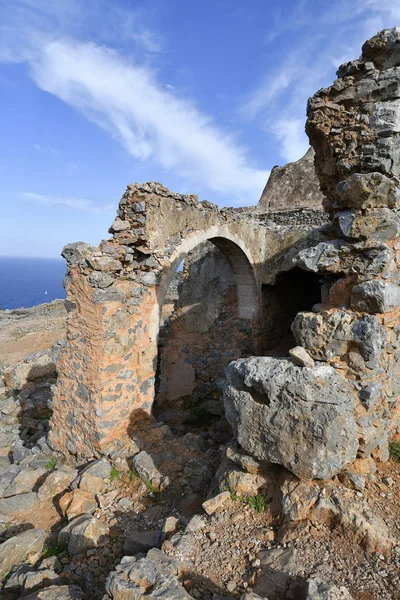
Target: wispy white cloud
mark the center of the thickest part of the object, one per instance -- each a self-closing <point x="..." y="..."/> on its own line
<point x="150" y="120"/>
<point x="327" y="34"/>
<point x="80" y="204"/>
<point x="126" y="96"/>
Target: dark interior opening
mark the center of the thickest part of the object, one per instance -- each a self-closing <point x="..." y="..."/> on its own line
<point x="200" y="334"/>
<point x="294" y="291"/>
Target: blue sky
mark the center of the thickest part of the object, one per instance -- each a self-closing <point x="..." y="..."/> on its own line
<point x="204" y="97"/>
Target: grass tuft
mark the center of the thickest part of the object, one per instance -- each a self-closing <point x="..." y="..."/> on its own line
<point x="51" y="464"/>
<point x="115" y="474"/>
<point x="394" y="450"/>
<point x="133" y="476"/>
<point x="53" y="549"/>
<point x="149" y="484"/>
<point x="257" y="503"/>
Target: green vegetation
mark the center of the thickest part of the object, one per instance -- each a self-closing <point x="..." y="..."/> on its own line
<point x="149" y="484"/>
<point x="198" y="417"/>
<point x="132" y="476"/>
<point x="257" y="503"/>
<point x="394" y="450"/>
<point x="115" y="474"/>
<point x="51" y="464"/>
<point x="53" y="549"/>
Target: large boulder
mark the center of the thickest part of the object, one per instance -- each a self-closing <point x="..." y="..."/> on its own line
<point x="155" y="576"/>
<point x="320" y="590"/>
<point x="58" y="592"/>
<point x="298" y="417"/>
<point x="27" y="546"/>
<point x="332" y="333"/>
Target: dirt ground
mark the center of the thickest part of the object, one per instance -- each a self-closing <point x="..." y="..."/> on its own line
<point x="28" y="330"/>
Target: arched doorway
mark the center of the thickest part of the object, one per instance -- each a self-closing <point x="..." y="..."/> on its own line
<point x="205" y="323"/>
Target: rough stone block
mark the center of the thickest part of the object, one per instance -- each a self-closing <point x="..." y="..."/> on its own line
<point x="301" y="357"/>
<point x="300" y="418"/>
<point x="21" y="548"/>
<point x="375" y="296"/>
<point x="367" y="190"/>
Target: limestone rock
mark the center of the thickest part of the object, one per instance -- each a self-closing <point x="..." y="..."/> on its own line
<point x="331" y="334"/>
<point x="300" y="418"/>
<point x="301" y="357"/>
<point x="99" y="468"/>
<point x="65" y="533"/>
<point x="369" y="394"/>
<point x="337" y="256"/>
<point x="34" y="366"/>
<point x="375" y="296"/>
<point x="145" y="467"/>
<point x="29" y="579"/>
<point x="58" y="592"/>
<point x="169" y="527"/>
<point x="119" y="225"/>
<point x="104" y="263"/>
<point x="213" y="504"/>
<point x="7" y="477"/>
<point x="243" y="460"/>
<point x="370" y="336"/>
<point x="24" y="481"/>
<point x="100" y="280"/>
<point x="91" y="483"/>
<point x="21" y="548"/>
<point x="77" y="502"/>
<point x="88" y="533"/>
<point x="15" y="505"/>
<point x="378" y="225"/>
<point x="293" y="186"/>
<point x="56" y="482"/>
<point x="367" y="190"/>
<point x="148" y="577"/>
<point x="77" y="252"/>
<point x="298" y="498"/>
<point x="318" y="590"/>
<point x="237" y="481"/>
<point x="366" y="527"/>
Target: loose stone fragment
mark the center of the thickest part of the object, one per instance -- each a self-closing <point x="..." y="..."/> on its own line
<point x="213" y="504"/>
<point x="301" y="357"/>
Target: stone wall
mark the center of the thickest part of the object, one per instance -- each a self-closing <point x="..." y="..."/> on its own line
<point x="354" y="334"/>
<point x="115" y="294"/>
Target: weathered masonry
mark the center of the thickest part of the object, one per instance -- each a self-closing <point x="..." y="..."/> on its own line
<point x="115" y="294"/>
<point x="333" y="403"/>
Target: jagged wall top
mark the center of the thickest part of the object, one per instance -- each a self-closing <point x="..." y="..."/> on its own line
<point x="354" y="125"/>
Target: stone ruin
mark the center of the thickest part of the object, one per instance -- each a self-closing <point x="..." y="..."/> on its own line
<point x="334" y="402"/>
<point x="313" y="418"/>
<point x="115" y="295"/>
<point x="283" y="325"/>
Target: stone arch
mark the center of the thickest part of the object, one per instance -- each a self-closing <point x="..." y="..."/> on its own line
<point x="239" y="257"/>
<point x="198" y="326"/>
<point x="107" y="370"/>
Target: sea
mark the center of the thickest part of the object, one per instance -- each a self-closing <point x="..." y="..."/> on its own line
<point x="26" y="282"/>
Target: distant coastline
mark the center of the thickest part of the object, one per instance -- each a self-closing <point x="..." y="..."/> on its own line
<point x="27" y="282"/>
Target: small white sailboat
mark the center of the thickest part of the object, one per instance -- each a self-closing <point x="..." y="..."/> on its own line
<point x="45" y="292"/>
